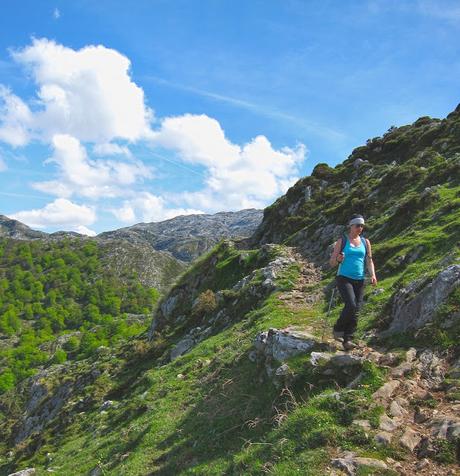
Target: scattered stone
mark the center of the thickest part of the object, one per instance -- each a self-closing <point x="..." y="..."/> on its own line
<point x="364" y="424"/>
<point x="350" y="463"/>
<point x="388" y="424"/>
<point x="389" y="359"/>
<point x="383" y="438"/>
<point x="422" y="464"/>
<point x="421" y="415"/>
<point x="283" y="371"/>
<point x="401" y="370"/>
<point x="445" y="427"/>
<point x="383" y="394"/>
<point x="397" y="410"/>
<point x="107" y="404"/>
<point x="370" y="462"/>
<point x="410" y="439"/>
<point x="411" y="354"/>
<point x="24" y="472"/>
<point x="180" y="376"/>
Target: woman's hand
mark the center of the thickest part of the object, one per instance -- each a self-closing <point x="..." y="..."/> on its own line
<point x="373" y="280"/>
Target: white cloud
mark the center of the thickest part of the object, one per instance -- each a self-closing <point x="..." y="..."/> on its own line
<point x="15" y="119"/>
<point x="79" y="175"/>
<point x="238" y="176"/>
<point x="86" y="100"/>
<point x="147" y="207"/>
<point x="83" y="230"/>
<point x="60" y="213"/>
<point x="56" y="14"/>
<point x="110" y="148"/>
<point x="87" y="93"/>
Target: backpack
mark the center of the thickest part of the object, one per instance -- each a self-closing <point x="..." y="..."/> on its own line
<point x="363" y="240"/>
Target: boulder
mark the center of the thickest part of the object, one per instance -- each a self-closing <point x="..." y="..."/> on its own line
<point x="383" y="438"/>
<point x="416" y="305"/>
<point x="182" y="347"/>
<point x="383" y="394"/>
<point x="410" y="439"/>
<point x="445" y="427"/>
<point x="24" y="472"/>
<point x="282" y="344"/>
<point x="349" y="463"/>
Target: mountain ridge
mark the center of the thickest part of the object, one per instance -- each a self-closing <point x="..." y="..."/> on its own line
<point x="238" y="374"/>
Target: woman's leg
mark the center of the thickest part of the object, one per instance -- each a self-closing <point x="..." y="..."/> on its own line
<point x="352" y="322"/>
<point x="347" y="292"/>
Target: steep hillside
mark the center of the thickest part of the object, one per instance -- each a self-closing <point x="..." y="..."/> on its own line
<point x="187" y="237"/>
<point x="238" y="373"/>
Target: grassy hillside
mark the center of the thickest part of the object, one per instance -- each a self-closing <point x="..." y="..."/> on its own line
<point x="59" y="302"/>
<point x="199" y="398"/>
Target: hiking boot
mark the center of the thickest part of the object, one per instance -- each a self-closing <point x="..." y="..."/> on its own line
<point x="338" y="335"/>
<point x="349" y="345"/>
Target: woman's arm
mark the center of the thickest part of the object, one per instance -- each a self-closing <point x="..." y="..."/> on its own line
<point x="370" y="263"/>
<point x="336" y="257"/>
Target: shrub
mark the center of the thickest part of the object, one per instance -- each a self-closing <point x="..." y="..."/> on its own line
<point x="205" y="304"/>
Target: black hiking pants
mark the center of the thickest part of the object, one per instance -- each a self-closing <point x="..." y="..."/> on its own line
<point x="352" y="291"/>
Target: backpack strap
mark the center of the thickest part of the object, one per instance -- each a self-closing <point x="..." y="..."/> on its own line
<point x="363" y="239"/>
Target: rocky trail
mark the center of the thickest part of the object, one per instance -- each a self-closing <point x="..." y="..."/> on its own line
<point x="421" y="414"/>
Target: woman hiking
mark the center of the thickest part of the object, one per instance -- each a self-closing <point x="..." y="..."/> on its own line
<point x="351" y="252"/>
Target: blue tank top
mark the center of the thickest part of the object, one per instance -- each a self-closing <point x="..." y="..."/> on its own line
<point x="353" y="264"/>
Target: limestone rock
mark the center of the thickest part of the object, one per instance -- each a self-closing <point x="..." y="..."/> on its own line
<point x="282" y="344"/>
<point x="388" y="424"/>
<point x="397" y="410"/>
<point x="383" y="394"/>
<point x="410" y="439"/>
<point x="182" y="347"/>
<point x="350" y="463"/>
<point x="383" y="438"/>
<point x="401" y="370"/>
<point x="414" y="312"/>
<point x="364" y="424"/>
<point x="24" y="472"/>
<point x="445" y="427"/>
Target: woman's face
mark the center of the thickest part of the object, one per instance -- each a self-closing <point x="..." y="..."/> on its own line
<point x="358" y="228"/>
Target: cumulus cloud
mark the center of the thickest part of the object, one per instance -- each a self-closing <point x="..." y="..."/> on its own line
<point x="15" y="119"/>
<point x="87" y="93"/>
<point x="238" y="176"/>
<point x="61" y="212"/>
<point x="86" y="103"/>
<point x="147" y="207"/>
<point x="80" y="175"/>
<point x="110" y="148"/>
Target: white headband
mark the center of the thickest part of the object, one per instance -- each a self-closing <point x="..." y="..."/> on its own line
<point x="357" y="221"/>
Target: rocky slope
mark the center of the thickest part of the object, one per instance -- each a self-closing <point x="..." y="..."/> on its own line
<point x="238" y="373"/>
<point x="187" y="237"/>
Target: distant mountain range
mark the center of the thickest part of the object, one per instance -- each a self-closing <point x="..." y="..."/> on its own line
<point x="157" y="252"/>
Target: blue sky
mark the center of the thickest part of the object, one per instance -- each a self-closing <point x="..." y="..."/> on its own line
<point x="115" y="112"/>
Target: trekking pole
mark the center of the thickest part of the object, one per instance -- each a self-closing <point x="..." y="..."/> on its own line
<point x="325" y="322"/>
<point x="330" y="302"/>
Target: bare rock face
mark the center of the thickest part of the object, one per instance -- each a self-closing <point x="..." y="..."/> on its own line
<point x="281" y="344"/>
<point x="349" y="463"/>
<point x="415" y="305"/>
<point x="24" y="472"/>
